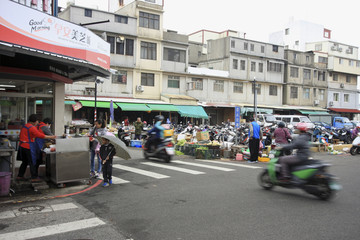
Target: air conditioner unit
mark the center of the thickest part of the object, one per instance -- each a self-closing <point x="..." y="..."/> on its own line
<point x="348" y="51"/>
<point x="339" y="49"/>
<point x="334" y="48"/>
<point x="316" y="102"/>
<point x="331" y="103"/>
<point x="341" y="85"/>
<point x="139" y="88"/>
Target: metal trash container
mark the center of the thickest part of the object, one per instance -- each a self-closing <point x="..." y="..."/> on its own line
<point x="5" y="154"/>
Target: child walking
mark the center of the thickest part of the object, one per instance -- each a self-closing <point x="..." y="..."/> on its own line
<point x="107" y="152"/>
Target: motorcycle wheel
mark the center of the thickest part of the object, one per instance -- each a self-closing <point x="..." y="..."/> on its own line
<point x="146" y="155"/>
<point x="325" y="192"/>
<point x="265" y="181"/>
<point x="348" y="140"/>
<point x="167" y="158"/>
<point x="353" y="151"/>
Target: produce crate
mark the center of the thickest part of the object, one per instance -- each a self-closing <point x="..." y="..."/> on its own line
<point x="215" y="153"/>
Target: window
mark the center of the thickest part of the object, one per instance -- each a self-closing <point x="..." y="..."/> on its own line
<point x="262" y="49"/>
<point x="351" y="63"/>
<point x="253" y="66"/>
<point x="348" y="79"/>
<point x="148" y="50"/>
<point x="173" y="82"/>
<point x="322" y="59"/>
<point x="322" y="94"/>
<point x="275" y="48"/>
<point x="273" y="67"/>
<point x="111" y="40"/>
<point x="242" y="65"/>
<point x="252" y="47"/>
<point x="346" y="98"/>
<point x="129" y="47"/>
<point x="235" y="64"/>
<point x="357" y="64"/>
<point x="121" y="19"/>
<point x="261" y="67"/>
<point x="321" y="76"/>
<point x="335" y="77"/>
<point x="293" y="92"/>
<point x="295" y="55"/>
<point x="307" y="59"/>
<point x="349" y="50"/>
<point x="315" y="74"/>
<point x="174" y="55"/>
<point x="307" y="74"/>
<point x="219" y="86"/>
<point x="258" y="88"/>
<point x="287" y="31"/>
<point x="147" y="79"/>
<point x="273" y="90"/>
<point x="314" y="92"/>
<point x="121" y="77"/>
<point x="318" y="47"/>
<point x="233" y="43"/>
<point x="196" y="84"/>
<point x="306" y="93"/>
<point x="336" y="97"/>
<point x="245" y="46"/>
<point x="238" y="87"/>
<point x="88" y="12"/>
<point x="121" y="47"/>
<point x="148" y="20"/>
<point x="294" y="72"/>
<point x="297" y="43"/>
<point x="341" y="61"/>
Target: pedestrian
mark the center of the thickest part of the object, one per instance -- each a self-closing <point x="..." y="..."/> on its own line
<point x="355" y="131"/>
<point x="43" y="127"/>
<point x="139" y="125"/>
<point x="98" y="130"/>
<point x="107" y="152"/>
<point x="27" y="148"/>
<point x="255" y="135"/>
<point x="281" y="134"/>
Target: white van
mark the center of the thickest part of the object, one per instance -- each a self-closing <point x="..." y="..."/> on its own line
<point x="266" y="120"/>
<point x="294" y="120"/>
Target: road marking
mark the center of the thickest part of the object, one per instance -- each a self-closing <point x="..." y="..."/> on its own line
<point x="139" y="171"/>
<point x="63" y="206"/>
<point x="52" y="229"/>
<point x="173" y="168"/>
<point x="230" y="164"/>
<point x="7" y="214"/>
<point x="205" y="166"/>
<point x="116" y="180"/>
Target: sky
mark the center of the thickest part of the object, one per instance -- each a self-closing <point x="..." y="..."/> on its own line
<point x="256" y="18"/>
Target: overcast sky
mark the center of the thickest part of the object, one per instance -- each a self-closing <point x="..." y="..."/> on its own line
<point x="257" y="18"/>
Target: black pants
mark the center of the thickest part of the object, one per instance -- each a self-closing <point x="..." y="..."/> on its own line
<point x="25" y="155"/>
<point x="153" y="140"/>
<point x="254" y="149"/>
<point x="107" y="170"/>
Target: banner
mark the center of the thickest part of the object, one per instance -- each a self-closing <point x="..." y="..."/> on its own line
<point x="237" y="117"/>
<point x="77" y="106"/>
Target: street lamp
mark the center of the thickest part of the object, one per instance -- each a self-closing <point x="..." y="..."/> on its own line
<point x="255" y="99"/>
<point x="97" y="81"/>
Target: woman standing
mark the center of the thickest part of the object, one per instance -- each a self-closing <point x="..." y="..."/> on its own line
<point x="98" y="130"/>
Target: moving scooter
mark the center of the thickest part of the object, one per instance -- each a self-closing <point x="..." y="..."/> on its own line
<point x="124" y="136"/>
<point x="161" y="148"/>
<point x="311" y="176"/>
<point x="355" y="149"/>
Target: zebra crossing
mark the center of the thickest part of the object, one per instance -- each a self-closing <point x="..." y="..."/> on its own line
<point x="176" y="166"/>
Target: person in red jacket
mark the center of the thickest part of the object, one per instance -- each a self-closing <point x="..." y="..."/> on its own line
<point x="27" y="148"/>
<point x="42" y="127"/>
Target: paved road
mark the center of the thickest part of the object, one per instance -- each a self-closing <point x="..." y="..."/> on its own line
<point x="195" y="199"/>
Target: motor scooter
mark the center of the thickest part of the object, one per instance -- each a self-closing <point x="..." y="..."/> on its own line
<point x="311" y="176"/>
<point x="355" y="149"/>
<point x="163" y="149"/>
<point x="124" y="136"/>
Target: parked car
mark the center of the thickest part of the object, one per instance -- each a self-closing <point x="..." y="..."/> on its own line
<point x="294" y="120"/>
<point x="322" y="124"/>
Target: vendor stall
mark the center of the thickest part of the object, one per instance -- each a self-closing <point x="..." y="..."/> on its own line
<point x="70" y="162"/>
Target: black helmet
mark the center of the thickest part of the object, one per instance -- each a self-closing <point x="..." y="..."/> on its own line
<point x="159" y="118"/>
<point x="281" y="124"/>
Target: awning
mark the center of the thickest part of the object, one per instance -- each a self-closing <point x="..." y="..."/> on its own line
<point x="192" y="111"/>
<point x="344" y="110"/>
<point x="313" y="112"/>
<point x="133" y="106"/>
<point x="99" y="104"/>
<point x="163" y="107"/>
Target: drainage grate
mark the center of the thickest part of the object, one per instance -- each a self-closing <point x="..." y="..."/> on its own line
<point x="30" y="209"/>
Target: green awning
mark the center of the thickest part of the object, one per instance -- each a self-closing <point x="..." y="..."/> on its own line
<point x="6" y="103"/>
<point x="99" y="104"/>
<point x="313" y="112"/>
<point x="192" y="111"/>
<point x="133" y="106"/>
<point x="163" y="107"/>
<point x="69" y="102"/>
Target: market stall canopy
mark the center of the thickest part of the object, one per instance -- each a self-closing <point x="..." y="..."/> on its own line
<point x="192" y="111"/>
<point x="313" y="112"/>
<point x="98" y="104"/>
<point x="163" y="107"/>
<point x="133" y="106"/>
<point x="344" y="110"/>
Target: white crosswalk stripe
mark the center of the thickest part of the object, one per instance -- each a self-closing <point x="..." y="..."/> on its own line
<point x="230" y="164"/>
<point x="52" y="229"/>
<point x="204" y="166"/>
<point x="185" y="170"/>
<point x="140" y="171"/>
<point x="116" y="180"/>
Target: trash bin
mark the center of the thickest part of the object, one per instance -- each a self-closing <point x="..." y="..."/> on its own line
<point x="5" y="179"/>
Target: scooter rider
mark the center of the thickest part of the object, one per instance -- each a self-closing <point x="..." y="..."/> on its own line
<point x="355" y="131"/>
<point x="158" y="129"/>
<point x="301" y="143"/>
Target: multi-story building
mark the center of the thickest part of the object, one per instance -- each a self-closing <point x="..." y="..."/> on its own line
<point x="343" y="68"/>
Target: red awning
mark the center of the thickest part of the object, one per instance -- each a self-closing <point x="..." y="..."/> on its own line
<point x="344" y="110"/>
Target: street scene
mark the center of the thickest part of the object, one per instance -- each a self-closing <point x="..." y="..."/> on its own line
<point x="152" y="119"/>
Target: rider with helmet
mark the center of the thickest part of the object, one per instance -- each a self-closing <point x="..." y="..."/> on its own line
<point x="301" y="143"/>
<point x="281" y="134"/>
<point x="355" y="131"/>
<point x="158" y="130"/>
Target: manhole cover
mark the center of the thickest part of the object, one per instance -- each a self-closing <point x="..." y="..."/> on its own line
<point x="30" y="209"/>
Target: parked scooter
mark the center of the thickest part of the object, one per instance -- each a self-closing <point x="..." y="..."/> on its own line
<point x="355" y="149"/>
<point x="163" y="149"/>
<point x="124" y="136"/>
<point x="311" y="176"/>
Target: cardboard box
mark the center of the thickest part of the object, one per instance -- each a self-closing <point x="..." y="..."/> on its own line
<point x="202" y="136"/>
